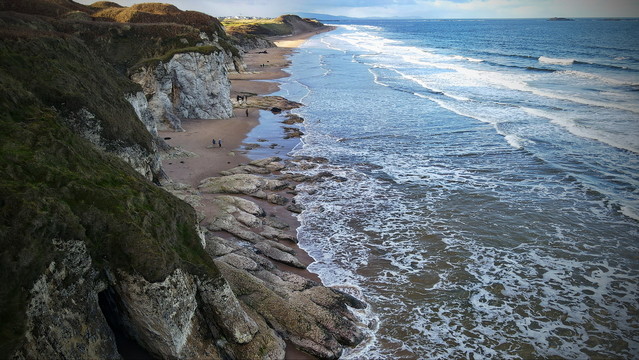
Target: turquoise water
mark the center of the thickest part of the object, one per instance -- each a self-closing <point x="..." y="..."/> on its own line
<point x="492" y="202"/>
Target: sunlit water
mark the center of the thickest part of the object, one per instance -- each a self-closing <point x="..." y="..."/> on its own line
<point x="492" y="202"/>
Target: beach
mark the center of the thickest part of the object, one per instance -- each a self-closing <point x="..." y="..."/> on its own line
<point x="201" y="158"/>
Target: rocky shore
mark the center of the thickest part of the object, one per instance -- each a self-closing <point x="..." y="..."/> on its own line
<point x="248" y="210"/>
<point x="249" y="242"/>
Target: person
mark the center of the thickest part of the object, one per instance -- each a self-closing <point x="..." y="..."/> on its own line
<point x="213" y="142"/>
<point x="219" y="142"/>
<point x="246" y="112"/>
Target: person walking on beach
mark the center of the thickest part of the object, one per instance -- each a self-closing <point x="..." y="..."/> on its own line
<point x="213" y="142"/>
<point x="246" y="112"/>
<point x="219" y="142"/>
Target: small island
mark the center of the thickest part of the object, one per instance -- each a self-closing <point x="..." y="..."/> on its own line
<point x="560" y="19"/>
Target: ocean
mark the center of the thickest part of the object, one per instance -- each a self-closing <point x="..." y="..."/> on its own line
<point x="491" y="202"/>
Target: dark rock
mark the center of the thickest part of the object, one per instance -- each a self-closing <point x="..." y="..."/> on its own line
<point x="277" y="199"/>
<point x="276" y="223"/>
<point x="295" y="208"/>
<point x="293" y="119"/>
<point x="291" y="132"/>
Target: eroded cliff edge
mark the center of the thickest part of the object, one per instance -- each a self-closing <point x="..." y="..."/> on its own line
<point x="92" y="249"/>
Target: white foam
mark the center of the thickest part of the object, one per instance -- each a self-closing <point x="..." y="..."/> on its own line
<point x="459" y="57"/>
<point x="514" y="141"/>
<point x="330" y="45"/>
<point x="555" y="61"/>
<point x="468" y="78"/>
<point x="630" y="212"/>
<point x="606" y="80"/>
<point x="423" y="83"/>
<point x="627" y="141"/>
<point x="376" y="78"/>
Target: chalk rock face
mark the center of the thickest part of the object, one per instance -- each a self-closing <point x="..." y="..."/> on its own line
<point x="64" y="319"/>
<point x="173" y="318"/>
<point x="144" y="160"/>
<point x="161" y="313"/>
<point x="141" y="107"/>
<point x="190" y="85"/>
<point x="223" y="308"/>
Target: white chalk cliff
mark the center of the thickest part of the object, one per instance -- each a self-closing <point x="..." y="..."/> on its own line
<point x="190" y="85"/>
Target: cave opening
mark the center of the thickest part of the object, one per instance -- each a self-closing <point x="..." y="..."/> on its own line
<point x="128" y="347"/>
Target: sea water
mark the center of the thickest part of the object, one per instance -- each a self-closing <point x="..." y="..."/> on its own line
<point x="491" y="202"/>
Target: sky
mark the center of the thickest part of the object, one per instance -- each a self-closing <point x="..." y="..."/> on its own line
<point x="430" y="9"/>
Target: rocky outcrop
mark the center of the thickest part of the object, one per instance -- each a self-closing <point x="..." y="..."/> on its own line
<point x="142" y="110"/>
<point x="143" y="157"/>
<point x="281" y="26"/>
<point x="174" y="318"/>
<point x="247" y="184"/>
<point x="190" y="85"/>
<point x="316" y="319"/>
<point x="64" y="319"/>
<point x="247" y="42"/>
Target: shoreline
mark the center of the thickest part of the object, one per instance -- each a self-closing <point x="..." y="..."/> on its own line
<point x="205" y="160"/>
<point x="198" y="133"/>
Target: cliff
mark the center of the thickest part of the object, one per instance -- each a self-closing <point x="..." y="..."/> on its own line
<point x="97" y="260"/>
<point x="280" y="26"/>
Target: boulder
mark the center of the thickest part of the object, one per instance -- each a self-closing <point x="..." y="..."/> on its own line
<point x="279" y="253"/>
<point x="160" y="314"/>
<point x="247" y="184"/>
<point x="274" y="222"/>
<point x="276" y="234"/>
<point x="276" y="199"/>
<point x="243" y="204"/>
<point x="266" y="161"/>
<point x="220" y="303"/>
<point x="230" y="224"/>
<point x="291" y="313"/>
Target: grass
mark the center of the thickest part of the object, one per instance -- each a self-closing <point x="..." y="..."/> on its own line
<point x="268" y="27"/>
<point x="57" y="185"/>
<point x="206" y="50"/>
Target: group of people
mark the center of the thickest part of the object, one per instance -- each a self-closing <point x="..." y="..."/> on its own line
<point x="241" y="98"/>
<point x="219" y="142"/>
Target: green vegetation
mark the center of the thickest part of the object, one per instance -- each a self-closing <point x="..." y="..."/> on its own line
<point x="57" y="185"/>
<point x="206" y="50"/>
<point x="280" y="26"/>
<point x="267" y="27"/>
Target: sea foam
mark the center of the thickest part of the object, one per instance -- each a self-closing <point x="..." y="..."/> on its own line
<point x="555" y="61"/>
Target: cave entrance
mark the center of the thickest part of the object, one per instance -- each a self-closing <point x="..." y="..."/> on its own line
<point x="128" y="347"/>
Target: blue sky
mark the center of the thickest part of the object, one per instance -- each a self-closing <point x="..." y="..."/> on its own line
<point x="410" y="8"/>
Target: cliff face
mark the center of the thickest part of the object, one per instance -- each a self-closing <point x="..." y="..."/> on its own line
<point x="190" y="85"/>
<point x="81" y="223"/>
<point x="96" y="260"/>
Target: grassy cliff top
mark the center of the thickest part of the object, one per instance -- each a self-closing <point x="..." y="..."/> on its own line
<point x="280" y="26"/>
<point x="157" y="13"/>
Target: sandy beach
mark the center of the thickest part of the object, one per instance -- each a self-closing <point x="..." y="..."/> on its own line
<point x="208" y="160"/>
<point x="198" y="135"/>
